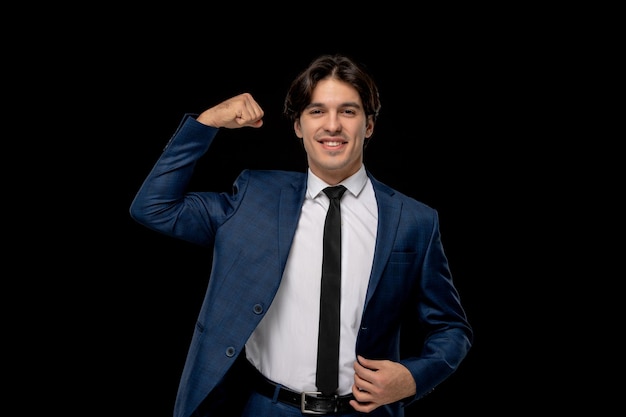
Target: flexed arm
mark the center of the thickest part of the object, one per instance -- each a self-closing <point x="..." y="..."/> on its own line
<point x="163" y="202"/>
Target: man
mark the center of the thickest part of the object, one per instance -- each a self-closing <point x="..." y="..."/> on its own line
<point x="254" y="349"/>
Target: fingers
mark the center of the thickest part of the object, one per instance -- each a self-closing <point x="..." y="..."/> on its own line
<point x="362" y="387"/>
<point x="379" y="382"/>
<point x="364" y="367"/>
<point x="363" y="407"/>
<point x="248" y="112"/>
<point x="364" y="401"/>
<point x="236" y="112"/>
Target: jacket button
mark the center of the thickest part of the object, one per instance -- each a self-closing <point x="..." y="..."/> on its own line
<point x="258" y="309"/>
<point x="230" y="352"/>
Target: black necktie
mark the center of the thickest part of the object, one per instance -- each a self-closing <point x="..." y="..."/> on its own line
<point x="330" y="299"/>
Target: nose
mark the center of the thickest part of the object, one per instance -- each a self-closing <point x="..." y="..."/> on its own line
<point x="333" y="122"/>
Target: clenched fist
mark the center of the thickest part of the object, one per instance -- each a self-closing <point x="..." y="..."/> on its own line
<point x="236" y="112"/>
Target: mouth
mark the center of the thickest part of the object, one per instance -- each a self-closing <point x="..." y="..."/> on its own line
<point x="332" y="143"/>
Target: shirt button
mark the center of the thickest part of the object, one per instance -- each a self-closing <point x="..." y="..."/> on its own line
<point x="230" y="351"/>
<point x="258" y="309"/>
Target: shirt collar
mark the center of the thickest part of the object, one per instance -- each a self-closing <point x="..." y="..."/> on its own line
<point x="354" y="183"/>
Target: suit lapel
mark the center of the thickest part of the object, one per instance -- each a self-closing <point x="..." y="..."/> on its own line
<point x="291" y="200"/>
<point x="389" y="210"/>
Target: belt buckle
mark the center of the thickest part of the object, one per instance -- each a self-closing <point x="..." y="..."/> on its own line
<point x="315" y="393"/>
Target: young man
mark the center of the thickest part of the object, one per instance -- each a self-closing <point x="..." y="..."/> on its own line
<point x="254" y="349"/>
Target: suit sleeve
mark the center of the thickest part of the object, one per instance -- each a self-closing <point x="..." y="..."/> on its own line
<point x="447" y="333"/>
<point x="162" y="203"/>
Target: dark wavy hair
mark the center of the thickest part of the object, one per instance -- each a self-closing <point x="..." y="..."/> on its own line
<point x="340" y="67"/>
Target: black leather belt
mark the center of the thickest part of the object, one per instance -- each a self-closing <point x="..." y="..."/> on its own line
<point x="308" y="402"/>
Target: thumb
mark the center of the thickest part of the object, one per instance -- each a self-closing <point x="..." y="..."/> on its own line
<point x="367" y="363"/>
<point x="362" y="360"/>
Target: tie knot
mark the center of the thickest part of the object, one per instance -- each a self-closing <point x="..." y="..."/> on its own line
<point x="335" y="191"/>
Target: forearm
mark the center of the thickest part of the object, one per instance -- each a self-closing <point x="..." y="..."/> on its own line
<point x="440" y="357"/>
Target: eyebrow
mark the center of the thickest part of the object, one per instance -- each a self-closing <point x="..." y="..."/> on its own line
<point x="346" y="104"/>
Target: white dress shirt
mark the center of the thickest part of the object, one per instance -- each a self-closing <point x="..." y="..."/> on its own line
<point x="284" y="345"/>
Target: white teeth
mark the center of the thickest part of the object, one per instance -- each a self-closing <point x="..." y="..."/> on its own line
<point x="333" y="143"/>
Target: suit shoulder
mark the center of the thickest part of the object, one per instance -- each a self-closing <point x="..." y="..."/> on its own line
<point x="404" y="198"/>
<point x="274" y="177"/>
<point x="275" y="174"/>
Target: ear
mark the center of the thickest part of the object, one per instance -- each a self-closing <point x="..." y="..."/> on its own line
<point x="297" y="128"/>
<point x="369" y="126"/>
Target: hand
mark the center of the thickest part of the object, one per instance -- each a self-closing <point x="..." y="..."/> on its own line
<point x="236" y="112"/>
<point x="380" y="382"/>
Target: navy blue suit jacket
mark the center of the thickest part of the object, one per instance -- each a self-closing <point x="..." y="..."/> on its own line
<point x="251" y="229"/>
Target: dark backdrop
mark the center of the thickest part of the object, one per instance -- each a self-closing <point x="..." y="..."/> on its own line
<point x="453" y="130"/>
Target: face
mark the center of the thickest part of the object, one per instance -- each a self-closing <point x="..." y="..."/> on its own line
<point x="333" y="128"/>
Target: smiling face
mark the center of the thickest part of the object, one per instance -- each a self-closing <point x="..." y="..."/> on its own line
<point x="333" y="128"/>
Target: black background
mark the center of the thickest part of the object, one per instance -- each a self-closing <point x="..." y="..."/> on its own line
<point x="462" y="128"/>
